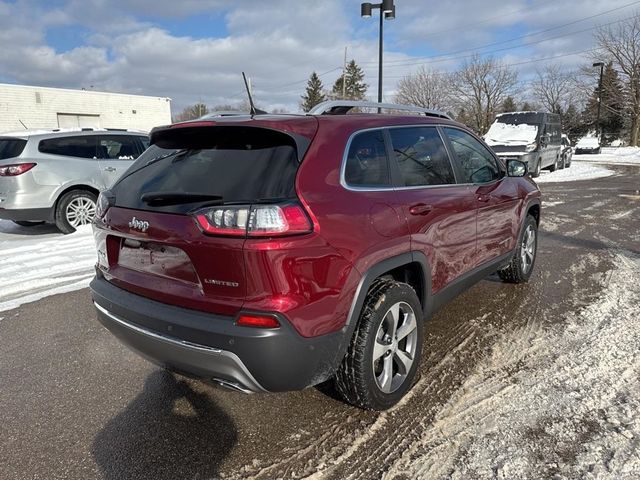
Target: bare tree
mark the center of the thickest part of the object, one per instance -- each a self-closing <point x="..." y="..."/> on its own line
<point x="425" y="88"/>
<point x="480" y="87"/>
<point x="554" y="89"/>
<point x="621" y="45"/>
<point x="192" y="112"/>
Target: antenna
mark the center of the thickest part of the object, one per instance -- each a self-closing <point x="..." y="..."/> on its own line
<point x="25" y="127"/>
<point x="246" y="84"/>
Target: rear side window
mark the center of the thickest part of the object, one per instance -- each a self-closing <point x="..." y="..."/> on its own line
<point x="11" y="147"/>
<point x="239" y="164"/>
<point x="367" y="164"/>
<point x="421" y="156"/>
<point x="477" y="163"/>
<point x="116" y="147"/>
<point x="81" y="146"/>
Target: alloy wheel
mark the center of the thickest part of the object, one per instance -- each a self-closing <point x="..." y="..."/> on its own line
<point x="528" y="248"/>
<point x="395" y="347"/>
<point x="80" y="211"/>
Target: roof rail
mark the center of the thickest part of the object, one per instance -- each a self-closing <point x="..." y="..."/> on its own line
<point x="341" y="107"/>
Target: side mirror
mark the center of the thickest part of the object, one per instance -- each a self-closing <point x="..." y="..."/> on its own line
<point x="516" y="168"/>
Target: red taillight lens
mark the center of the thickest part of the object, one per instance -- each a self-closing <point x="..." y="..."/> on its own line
<point x="254" y="221"/>
<point x="257" y="321"/>
<point x="14" y="170"/>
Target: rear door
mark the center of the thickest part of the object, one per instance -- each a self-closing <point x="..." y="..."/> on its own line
<point x="115" y="155"/>
<point x="441" y="213"/>
<point x="496" y="197"/>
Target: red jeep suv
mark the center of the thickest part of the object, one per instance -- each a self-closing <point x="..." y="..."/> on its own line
<point x="274" y="252"/>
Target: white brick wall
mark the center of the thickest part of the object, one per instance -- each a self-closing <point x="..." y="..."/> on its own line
<point x="38" y="108"/>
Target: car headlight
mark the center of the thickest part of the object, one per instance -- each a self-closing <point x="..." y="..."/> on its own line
<point x="531" y="147"/>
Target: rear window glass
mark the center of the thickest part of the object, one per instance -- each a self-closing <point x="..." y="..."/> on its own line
<point x="11" y="147"/>
<point x="421" y="156"/>
<point x="81" y="146"/>
<point x="243" y="165"/>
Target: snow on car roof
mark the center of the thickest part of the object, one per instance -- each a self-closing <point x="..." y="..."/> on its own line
<point x="510" y="134"/>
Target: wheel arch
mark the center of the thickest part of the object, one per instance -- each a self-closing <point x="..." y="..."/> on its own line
<point x="413" y="264"/>
<point x="70" y="188"/>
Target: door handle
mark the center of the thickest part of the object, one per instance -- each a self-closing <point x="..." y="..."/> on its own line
<point x="484" y="197"/>
<point x="420" y="209"/>
<point x="109" y="169"/>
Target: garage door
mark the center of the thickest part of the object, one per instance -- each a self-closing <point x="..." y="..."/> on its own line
<point x="72" y="120"/>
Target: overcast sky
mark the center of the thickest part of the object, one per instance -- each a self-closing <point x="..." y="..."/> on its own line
<point x="195" y="50"/>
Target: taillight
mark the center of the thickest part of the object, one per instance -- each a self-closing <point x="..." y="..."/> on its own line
<point x="257" y="321"/>
<point x="254" y="220"/>
<point x="105" y="200"/>
<point x="17" y="169"/>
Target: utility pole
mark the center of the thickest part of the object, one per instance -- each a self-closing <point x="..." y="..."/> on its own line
<point x="601" y="65"/>
<point x="344" y="75"/>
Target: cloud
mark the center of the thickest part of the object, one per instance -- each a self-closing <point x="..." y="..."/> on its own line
<point x="131" y="47"/>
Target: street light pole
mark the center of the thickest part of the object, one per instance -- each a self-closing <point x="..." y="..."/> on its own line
<point x="387" y="11"/>
<point x="601" y="65"/>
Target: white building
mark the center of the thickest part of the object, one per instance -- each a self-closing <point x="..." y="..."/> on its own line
<point x="23" y="107"/>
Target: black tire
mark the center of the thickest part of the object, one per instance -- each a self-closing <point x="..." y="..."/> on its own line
<point x="356" y="379"/>
<point x="563" y="162"/>
<point x="554" y="167"/>
<point x="518" y="271"/>
<point x="25" y="223"/>
<point x="536" y="171"/>
<point x="62" y="220"/>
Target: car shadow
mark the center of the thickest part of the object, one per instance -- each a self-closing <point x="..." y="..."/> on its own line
<point x="7" y="226"/>
<point x="169" y="431"/>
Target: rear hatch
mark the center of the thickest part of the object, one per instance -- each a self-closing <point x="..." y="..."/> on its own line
<point x="174" y="226"/>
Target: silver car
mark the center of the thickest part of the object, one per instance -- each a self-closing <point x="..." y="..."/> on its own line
<point x="55" y="176"/>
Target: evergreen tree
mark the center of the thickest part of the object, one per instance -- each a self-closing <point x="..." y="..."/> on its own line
<point x="355" y="88"/>
<point x="509" y="105"/>
<point x="526" y="107"/>
<point x="314" y="94"/>
<point x="612" y="106"/>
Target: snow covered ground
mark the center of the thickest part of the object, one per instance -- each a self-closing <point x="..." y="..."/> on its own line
<point x="571" y="410"/>
<point x="577" y="171"/>
<point x="42" y="263"/>
<point x="615" y="156"/>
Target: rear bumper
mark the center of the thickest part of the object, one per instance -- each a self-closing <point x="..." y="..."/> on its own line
<point x="212" y="347"/>
<point x="27" y="214"/>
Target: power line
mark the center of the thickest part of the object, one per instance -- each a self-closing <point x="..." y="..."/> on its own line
<point x="485" y="20"/>
<point x="392" y="63"/>
<point x="439" y="60"/>
<point x="534" y="60"/>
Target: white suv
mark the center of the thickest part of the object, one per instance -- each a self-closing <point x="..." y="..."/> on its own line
<point x="55" y="176"/>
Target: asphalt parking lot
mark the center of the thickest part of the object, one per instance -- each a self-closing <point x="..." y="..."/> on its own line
<point x="74" y="403"/>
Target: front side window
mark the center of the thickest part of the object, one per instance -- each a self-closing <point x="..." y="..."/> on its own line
<point x="476" y="162"/>
<point x="367" y="163"/>
<point x="81" y="146"/>
<point x="421" y="156"/>
<point x="115" y="147"/>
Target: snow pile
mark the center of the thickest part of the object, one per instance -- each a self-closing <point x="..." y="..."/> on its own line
<point x="508" y="134"/>
<point x="577" y="171"/>
<point x="559" y="402"/>
<point x="614" y="156"/>
<point x="33" y="267"/>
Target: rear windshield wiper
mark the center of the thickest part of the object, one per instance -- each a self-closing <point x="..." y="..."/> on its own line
<point x="157" y="199"/>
